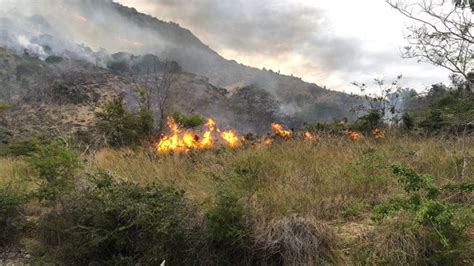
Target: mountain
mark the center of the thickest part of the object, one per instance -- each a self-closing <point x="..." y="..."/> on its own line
<point x="93" y="30"/>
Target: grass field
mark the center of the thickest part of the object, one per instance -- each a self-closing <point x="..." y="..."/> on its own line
<point x="335" y="183"/>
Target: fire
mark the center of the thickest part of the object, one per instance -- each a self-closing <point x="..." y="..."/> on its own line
<point x="230" y="138"/>
<point x="268" y="141"/>
<point x="378" y="133"/>
<point x="311" y="137"/>
<point x="178" y="141"/>
<point x="355" y="136"/>
<point x="277" y="128"/>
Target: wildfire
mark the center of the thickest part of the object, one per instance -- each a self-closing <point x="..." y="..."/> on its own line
<point x="178" y="141"/>
<point x="278" y="129"/>
<point x="378" y="133"/>
<point x="355" y="136"/>
<point x="311" y="137"/>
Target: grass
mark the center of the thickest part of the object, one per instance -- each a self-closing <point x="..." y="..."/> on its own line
<point x="290" y="177"/>
<point x="335" y="182"/>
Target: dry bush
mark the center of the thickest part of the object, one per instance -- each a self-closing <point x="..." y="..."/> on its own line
<point x="296" y="241"/>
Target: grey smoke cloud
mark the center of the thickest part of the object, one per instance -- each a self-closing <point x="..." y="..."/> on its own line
<point x="295" y="36"/>
<point x="298" y="36"/>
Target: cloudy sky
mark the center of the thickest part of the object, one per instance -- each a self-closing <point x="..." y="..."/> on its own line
<point x="331" y="42"/>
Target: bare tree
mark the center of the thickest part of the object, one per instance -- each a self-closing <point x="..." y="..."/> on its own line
<point x="383" y="105"/>
<point x="442" y="33"/>
<point x="154" y="89"/>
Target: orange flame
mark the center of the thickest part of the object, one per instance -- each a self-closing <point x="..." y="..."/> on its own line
<point x="278" y="129"/>
<point x="231" y="138"/>
<point x="311" y="137"/>
<point x="378" y="133"/>
<point x="355" y="136"/>
<point x="268" y="141"/>
<point x="177" y="141"/>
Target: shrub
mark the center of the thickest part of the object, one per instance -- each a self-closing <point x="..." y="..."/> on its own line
<point x="188" y="121"/>
<point x="56" y="166"/>
<point x="53" y="59"/>
<point x="440" y="222"/>
<point x="408" y="122"/>
<point x="121" y="223"/>
<point x="11" y="220"/>
<point x="121" y="127"/>
<point x="27" y="69"/>
<point x="22" y="147"/>
<point x="228" y="230"/>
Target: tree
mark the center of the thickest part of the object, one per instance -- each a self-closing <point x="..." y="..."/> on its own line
<point x="442" y="34"/>
<point x="154" y="88"/>
<point x="382" y="106"/>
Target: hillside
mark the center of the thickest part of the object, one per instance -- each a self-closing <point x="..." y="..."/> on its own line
<point x="116" y="28"/>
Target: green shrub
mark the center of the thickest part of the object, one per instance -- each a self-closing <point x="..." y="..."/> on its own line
<point x="121" y="223"/>
<point x="22" y="147"/>
<point x="27" y="69"/>
<point x="121" y="127"/>
<point x="443" y="223"/>
<point x="228" y="230"/>
<point x="53" y="59"/>
<point x="188" y="121"/>
<point x="11" y="220"/>
<point x="56" y="166"/>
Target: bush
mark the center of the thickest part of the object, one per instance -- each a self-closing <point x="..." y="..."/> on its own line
<point x="121" y="223"/>
<point x="440" y="223"/>
<point x="53" y="59"/>
<point x="228" y="231"/>
<point x="188" y="121"/>
<point x="56" y="166"/>
<point x="121" y="127"/>
<point x="11" y="220"/>
<point x="22" y="147"/>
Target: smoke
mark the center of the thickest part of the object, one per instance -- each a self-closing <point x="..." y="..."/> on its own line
<point x="71" y="26"/>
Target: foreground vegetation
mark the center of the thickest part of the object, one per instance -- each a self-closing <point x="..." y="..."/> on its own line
<point x="400" y="199"/>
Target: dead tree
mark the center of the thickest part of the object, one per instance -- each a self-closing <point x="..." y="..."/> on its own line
<point x="154" y="89"/>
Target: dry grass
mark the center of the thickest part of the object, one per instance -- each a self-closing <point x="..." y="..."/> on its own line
<point x="293" y="177"/>
<point x="286" y="180"/>
<point x="297" y="241"/>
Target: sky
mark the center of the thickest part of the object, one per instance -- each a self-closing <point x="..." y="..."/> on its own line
<point x="331" y="43"/>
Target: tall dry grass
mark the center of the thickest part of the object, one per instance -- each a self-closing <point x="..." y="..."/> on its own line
<point x="291" y="177"/>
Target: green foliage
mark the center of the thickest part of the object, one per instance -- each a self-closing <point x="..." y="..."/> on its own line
<point x="121" y="127"/>
<point x="27" y="69"/>
<point x="188" y="121"/>
<point x="435" y="215"/>
<point x="56" y="166"/>
<point x="408" y="122"/>
<point x="22" y="147"/>
<point x="53" y="59"/>
<point x="449" y="110"/>
<point x="3" y="107"/>
<point x="228" y="231"/>
<point x="434" y="122"/>
<point x="369" y="174"/>
<point x="11" y="221"/>
<point x="121" y="223"/>
<point x="373" y="119"/>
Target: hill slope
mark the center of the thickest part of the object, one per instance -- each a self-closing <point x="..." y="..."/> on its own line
<point x="116" y="28"/>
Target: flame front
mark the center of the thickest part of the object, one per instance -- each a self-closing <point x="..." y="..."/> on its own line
<point x="178" y="141"/>
<point x="278" y="129"/>
<point x="231" y="138"/>
<point x="355" y="136"/>
<point x="311" y="137"/>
